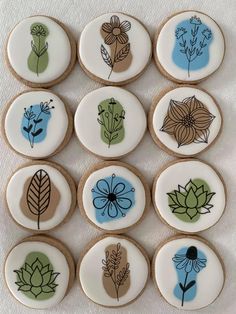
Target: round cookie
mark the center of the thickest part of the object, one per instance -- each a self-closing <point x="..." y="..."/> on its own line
<point x="188" y="272"/>
<point x="37" y="123"/>
<point x="40" y="51"/>
<point x="105" y="125"/>
<point x="114" y="49"/>
<point x="41" y="196"/>
<point x="184" y="120"/>
<point x="189" y="195"/>
<point x="113" y="196"/>
<point x="118" y="265"/>
<point x="189" y="47"/>
<point x="39" y="271"/>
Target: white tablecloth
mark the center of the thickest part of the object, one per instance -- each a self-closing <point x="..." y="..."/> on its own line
<point x="147" y="157"/>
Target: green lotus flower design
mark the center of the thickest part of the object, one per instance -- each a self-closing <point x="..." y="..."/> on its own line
<point x="36" y="278"/>
<point x="191" y="201"/>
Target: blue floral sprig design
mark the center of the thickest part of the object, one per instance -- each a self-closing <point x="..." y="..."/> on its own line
<point x="32" y="128"/>
<point x="113" y="197"/>
<point x="194" y="48"/>
<point x="188" y="263"/>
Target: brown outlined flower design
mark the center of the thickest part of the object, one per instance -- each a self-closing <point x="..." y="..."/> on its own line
<point x="188" y="121"/>
<point x="116" y="34"/>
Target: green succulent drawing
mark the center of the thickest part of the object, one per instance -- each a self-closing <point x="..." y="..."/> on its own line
<point x="36" y="278"/>
<point x="38" y="58"/>
<point x="188" y="203"/>
<point x="111" y="115"/>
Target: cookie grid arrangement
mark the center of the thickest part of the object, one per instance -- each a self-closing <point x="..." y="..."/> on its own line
<point x="188" y="194"/>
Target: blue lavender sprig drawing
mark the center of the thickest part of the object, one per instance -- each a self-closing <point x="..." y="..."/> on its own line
<point x="194" y="48"/>
<point x="34" y="119"/>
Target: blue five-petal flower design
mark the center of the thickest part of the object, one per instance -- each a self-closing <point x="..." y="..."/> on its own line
<point x="113" y="197"/>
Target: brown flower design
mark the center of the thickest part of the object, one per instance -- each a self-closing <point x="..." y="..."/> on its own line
<point x="116" y="31"/>
<point x="188" y="121"/>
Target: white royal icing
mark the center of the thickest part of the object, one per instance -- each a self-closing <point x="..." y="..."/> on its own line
<point x="209" y="280"/>
<point x="19" y="49"/>
<point x="91" y="271"/>
<point x="137" y="197"/>
<point x="180" y="173"/>
<point x="56" y="128"/>
<point x="161" y="110"/>
<point x="14" y="194"/>
<point x="16" y="260"/>
<point x="166" y="43"/>
<point x="91" y="39"/>
<point x="88" y="129"/>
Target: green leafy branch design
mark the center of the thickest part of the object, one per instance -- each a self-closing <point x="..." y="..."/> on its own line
<point x="36" y="279"/>
<point x="111" y="116"/>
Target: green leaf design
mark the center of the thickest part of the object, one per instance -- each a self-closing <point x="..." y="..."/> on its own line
<point x="110" y="117"/>
<point x="36" y="278"/>
<point x="38" y="58"/>
<point x="191" y="201"/>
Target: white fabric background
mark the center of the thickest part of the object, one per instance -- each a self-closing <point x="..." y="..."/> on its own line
<point x="147" y="157"/>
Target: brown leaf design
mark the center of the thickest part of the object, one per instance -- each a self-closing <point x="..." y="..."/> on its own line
<point x="38" y="194"/>
<point x="106" y="57"/>
<point x="122" y="53"/>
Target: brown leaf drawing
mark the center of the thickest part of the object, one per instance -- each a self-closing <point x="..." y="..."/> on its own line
<point x="122" y="53"/>
<point x="38" y="194"/>
<point x="106" y="57"/>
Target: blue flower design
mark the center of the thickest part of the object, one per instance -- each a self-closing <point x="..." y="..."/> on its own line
<point x="113" y="197"/>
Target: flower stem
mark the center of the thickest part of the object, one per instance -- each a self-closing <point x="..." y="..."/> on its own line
<point x="113" y="63"/>
<point x="38" y="221"/>
<point x="185" y="281"/>
<point x="37" y="65"/>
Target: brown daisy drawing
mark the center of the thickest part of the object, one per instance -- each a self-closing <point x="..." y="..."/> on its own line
<point x="188" y="121"/>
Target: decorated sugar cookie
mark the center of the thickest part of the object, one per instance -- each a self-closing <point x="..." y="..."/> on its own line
<point x="39" y="271"/>
<point x="114" y="48"/>
<point x="189" y="47"/>
<point x="105" y="125"/>
<point x="118" y="265"/>
<point x="40" y="196"/>
<point x="188" y="273"/>
<point x="40" y="51"/>
<point x="113" y="196"/>
<point x="37" y="124"/>
<point x="184" y="120"/>
<point x="189" y="195"/>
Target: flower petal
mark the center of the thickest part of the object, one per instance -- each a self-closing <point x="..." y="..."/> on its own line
<point x="193" y="103"/>
<point x="36" y="278"/>
<point x="203" y="118"/>
<point x="100" y="202"/>
<point x="36" y="291"/>
<point x="125" y="26"/>
<point x="47" y="277"/>
<point x="47" y="289"/>
<point x="103" y="187"/>
<point x="184" y="135"/>
<point x="179" y="258"/>
<point x="37" y="263"/>
<point x="180" y="198"/>
<point x="122" y="38"/>
<point x="202" y="198"/>
<point x="191" y="200"/>
<point x="192" y="212"/>
<point x="124" y="202"/>
<point x="110" y="39"/>
<point x="106" y="27"/>
<point x="182" y="264"/>
<point x="189" y="185"/>
<point x="118" y="188"/>
<point x="168" y="125"/>
<point x="202" y="136"/>
<point x="24" y="288"/>
<point x="177" y="110"/>
<point x="112" y="210"/>
<point x="26" y="276"/>
<point x="115" y="21"/>
<point x="189" y="266"/>
<point x="179" y="210"/>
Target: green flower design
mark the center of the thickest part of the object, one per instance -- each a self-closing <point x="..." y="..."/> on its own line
<point x="191" y="201"/>
<point x="36" y="278"/>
